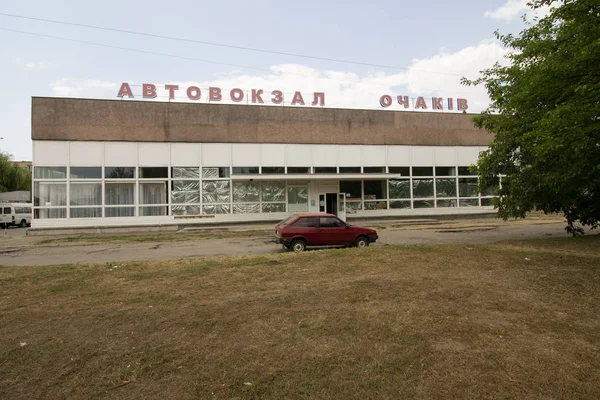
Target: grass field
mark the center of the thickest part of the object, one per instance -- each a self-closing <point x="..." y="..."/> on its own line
<point x="512" y="320"/>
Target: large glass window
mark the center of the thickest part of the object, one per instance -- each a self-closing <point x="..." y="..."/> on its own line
<point x="445" y="187"/>
<point x="325" y="170"/>
<point x="422" y="188"/>
<point x="185" y="192"/>
<point x="273" y="170"/>
<point x="85" y="212"/>
<point x="399" y="188"/>
<point x="297" y="199"/>
<point x="119" y="172"/>
<point x="85" y="194"/>
<point x="298" y="170"/>
<point x="50" y="172"/>
<point x="445" y="171"/>
<point x="153" y="172"/>
<point x="244" y="170"/>
<point x="464" y="171"/>
<point x="153" y="193"/>
<point x="246" y="192"/>
<point x="353" y="189"/>
<point x="86" y="172"/>
<point x="422" y="171"/>
<point x="215" y="172"/>
<point x="374" y="170"/>
<point x="185" y="172"/>
<point x="349" y="170"/>
<point x="119" y="193"/>
<point x="375" y="190"/>
<point x="50" y="194"/>
<point x="216" y="192"/>
<point x="273" y="191"/>
<point x="404" y="171"/>
<point x="467" y="187"/>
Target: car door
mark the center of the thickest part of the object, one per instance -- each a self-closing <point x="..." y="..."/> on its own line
<point x="333" y="231"/>
<point x="308" y="228"/>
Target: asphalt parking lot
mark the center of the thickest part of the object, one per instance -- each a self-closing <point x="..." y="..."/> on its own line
<point x="22" y="250"/>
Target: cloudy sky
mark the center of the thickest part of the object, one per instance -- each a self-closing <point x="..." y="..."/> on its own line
<point x="354" y="51"/>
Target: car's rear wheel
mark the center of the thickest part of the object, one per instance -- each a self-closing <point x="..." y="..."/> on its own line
<point x="298" y="245"/>
<point x="361" y="241"/>
<point x="23" y="224"/>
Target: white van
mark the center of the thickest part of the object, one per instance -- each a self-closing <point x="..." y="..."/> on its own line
<point x="17" y="214"/>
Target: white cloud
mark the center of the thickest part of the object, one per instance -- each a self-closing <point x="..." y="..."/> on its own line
<point x="68" y="87"/>
<point x="438" y="75"/>
<point x="31" y="64"/>
<point x="515" y="8"/>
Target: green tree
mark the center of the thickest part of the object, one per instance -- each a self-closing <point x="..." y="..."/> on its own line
<point x="13" y="177"/>
<point x="545" y="115"/>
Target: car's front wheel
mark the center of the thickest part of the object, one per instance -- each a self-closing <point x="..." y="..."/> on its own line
<point x="298" y="245"/>
<point x="361" y="241"/>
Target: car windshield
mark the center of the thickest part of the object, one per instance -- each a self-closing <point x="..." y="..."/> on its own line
<point x="287" y="220"/>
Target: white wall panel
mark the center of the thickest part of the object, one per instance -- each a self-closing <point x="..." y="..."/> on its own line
<point x="421" y="156"/>
<point x="272" y="155"/>
<point x="86" y="154"/>
<point x="444" y="156"/>
<point x="245" y="155"/>
<point x="373" y="156"/>
<point x="298" y="155"/>
<point x="50" y="153"/>
<point x="120" y="154"/>
<point x="398" y="156"/>
<point x="185" y="154"/>
<point x="216" y="154"/>
<point x="153" y="154"/>
<point x="467" y="155"/>
<point x="349" y="156"/>
<point x="324" y="155"/>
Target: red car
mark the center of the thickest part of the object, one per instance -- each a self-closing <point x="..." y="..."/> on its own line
<point x="302" y="230"/>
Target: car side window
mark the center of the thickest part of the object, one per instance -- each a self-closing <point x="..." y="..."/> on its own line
<point x="330" y="222"/>
<point x="305" y="222"/>
<point x="6" y="210"/>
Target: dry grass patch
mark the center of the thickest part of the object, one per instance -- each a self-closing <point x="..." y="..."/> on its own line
<point x="512" y="320"/>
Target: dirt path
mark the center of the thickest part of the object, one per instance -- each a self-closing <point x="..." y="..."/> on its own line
<point x="25" y="251"/>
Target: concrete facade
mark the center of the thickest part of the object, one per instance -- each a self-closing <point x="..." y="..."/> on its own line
<point x="144" y="121"/>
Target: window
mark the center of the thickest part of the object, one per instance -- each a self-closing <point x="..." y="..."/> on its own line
<point x="445" y="171"/>
<point x="153" y="193"/>
<point x="325" y="170"/>
<point x="50" y="194"/>
<point x="399" y="188"/>
<point x="85" y="194"/>
<point x="349" y="170"/>
<point x="375" y="190"/>
<point x="422" y="171"/>
<point x="185" y="172"/>
<point x="404" y="171"/>
<point x="119" y="172"/>
<point x="185" y="192"/>
<point x="445" y="187"/>
<point x="50" y="172"/>
<point x="422" y="188"/>
<point x="305" y="222"/>
<point x="86" y="172"/>
<point x="273" y="170"/>
<point x="298" y="170"/>
<point x="215" y="192"/>
<point x="244" y="170"/>
<point x="246" y="192"/>
<point x="215" y="172"/>
<point x="467" y="187"/>
<point x="330" y="222"/>
<point x="153" y="172"/>
<point x="6" y="210"/>
<point x="353" y="189"/>
<point x="298" y="199"/>
<point x="119" y="193"/>
<point x="464" y="171"/>
<point x="374" y="170"/>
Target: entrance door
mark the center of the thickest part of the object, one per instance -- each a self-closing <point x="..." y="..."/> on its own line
<point x="342" y="206"/>
<point x="328" y="203"/>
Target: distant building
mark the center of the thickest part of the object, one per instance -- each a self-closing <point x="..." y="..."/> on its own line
<point x="19" y="196"/>
<point x="28" y="165"/>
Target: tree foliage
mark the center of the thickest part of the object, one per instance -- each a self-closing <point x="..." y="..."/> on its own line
<point x="545" y="115"/>
<point x="13" y="177"/>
